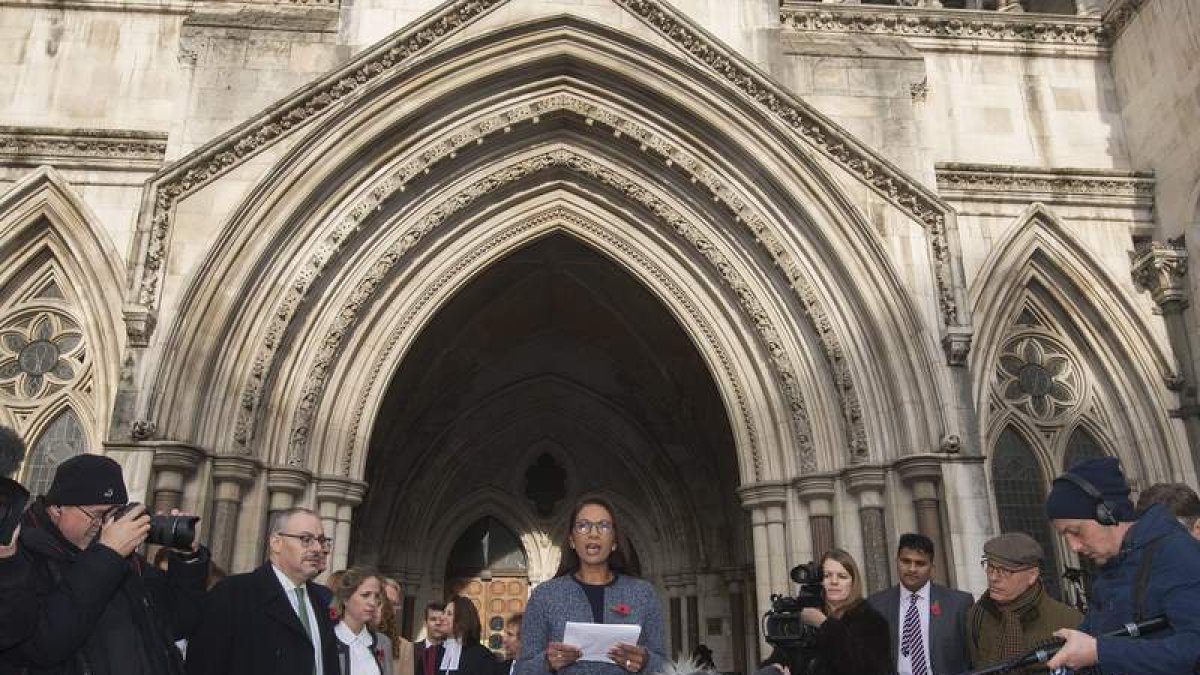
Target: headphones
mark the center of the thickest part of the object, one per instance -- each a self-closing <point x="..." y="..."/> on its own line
<point x="1104" y="512"/>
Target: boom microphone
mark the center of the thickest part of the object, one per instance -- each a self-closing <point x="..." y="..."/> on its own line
<point x="1044" y="654"/>
<point x="13" y="497"/>
<point x="12" y="452"/>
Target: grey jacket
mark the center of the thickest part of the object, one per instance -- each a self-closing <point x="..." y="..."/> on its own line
<point x="947" y="631"/>
<point x="559" y="600"/>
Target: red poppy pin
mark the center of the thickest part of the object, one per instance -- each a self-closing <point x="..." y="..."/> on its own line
<point x="333" y="614"/>
<point x="936" y="608"/>
<point x="378" y="654"/>
<point x="622" y="609"/>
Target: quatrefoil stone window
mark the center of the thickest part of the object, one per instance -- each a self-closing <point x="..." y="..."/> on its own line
<point x="1038" y="377"/>
<point x="40" y="353"/>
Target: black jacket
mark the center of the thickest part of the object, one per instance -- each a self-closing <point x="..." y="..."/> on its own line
<point x="18" y="604"/>
<point x="250" y="628"/>
<point x="101" y="614"/>
<point x="855" y="644"/>
<point x="474" y="660"/>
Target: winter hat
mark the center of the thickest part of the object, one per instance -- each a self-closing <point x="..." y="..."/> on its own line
<point x="87" y="479"/>
<point x="1015" y="550"/>
<point x="1069" y="500"/>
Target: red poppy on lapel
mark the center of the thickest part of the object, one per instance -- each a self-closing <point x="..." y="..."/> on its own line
<point x="936" y="608"/>
<point x="379" y="655"/>
<point x="333" y="614"/>
<point x="622" y="609"/>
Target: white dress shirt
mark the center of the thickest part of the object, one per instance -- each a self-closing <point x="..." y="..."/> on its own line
<point x="903" y="664"/>
<point x="289" y="592"/>
<point x="362" y="661"/>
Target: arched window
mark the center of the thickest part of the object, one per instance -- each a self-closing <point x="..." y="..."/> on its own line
<point x="488" y="566"/>
<point x="1081" y="446"/>
<point x="63" y="439"/>
<point x="1020" y="489"/>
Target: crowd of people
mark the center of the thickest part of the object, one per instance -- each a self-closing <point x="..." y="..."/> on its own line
<point x="77" y="598"/>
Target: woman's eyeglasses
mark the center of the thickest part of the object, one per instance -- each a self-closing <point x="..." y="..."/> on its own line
<point x="585" y="526"/>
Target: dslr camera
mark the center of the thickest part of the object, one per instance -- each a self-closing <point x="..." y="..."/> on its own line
<point x="783" y="626"/>
<point x="170" y="531"/>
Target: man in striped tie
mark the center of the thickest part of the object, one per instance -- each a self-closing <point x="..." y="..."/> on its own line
<point x="927" y="620"/>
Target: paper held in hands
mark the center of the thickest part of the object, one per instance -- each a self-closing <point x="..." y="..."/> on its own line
<point x="595" y="640"/>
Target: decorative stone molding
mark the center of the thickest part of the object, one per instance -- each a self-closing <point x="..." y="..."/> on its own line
<point x="762" y="495"/>
<point x="919" y="91"/>
<point x="288" y="480"/>
<point x="951" y="444"/>
<point x="340" y="490"/>
<point x="956" y="345"/>
<point x="234" y="469"/>
<point x="865" y="478"/>
<point x="1024" y="184"/>
<point x="170" y="455"/>
<point x="230" y="150"/>
<point x="815" y="487"/>
<point x="82" y="148"/>
<point x="142" y="430"/>
<point x="1160" y="269"/>
<point x="139" y="325"/>
<point x="920" y="468"/>
<point x="1118" y="16"/>
<point x="949" y="29"/>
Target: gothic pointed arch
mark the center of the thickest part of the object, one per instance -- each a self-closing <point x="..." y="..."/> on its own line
<point x="1060" y="346"/>
<point x="59" y="306"/>
<point x="1019" y="481"/>
<point x="763" y="248"/>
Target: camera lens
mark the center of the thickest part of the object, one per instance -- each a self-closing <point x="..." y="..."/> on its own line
<point x="172" y="531"/>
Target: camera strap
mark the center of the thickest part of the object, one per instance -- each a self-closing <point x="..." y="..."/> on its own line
<point x="1143" y="579"/>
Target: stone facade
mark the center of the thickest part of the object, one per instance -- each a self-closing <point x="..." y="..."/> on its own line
<point x="770" y="276"/>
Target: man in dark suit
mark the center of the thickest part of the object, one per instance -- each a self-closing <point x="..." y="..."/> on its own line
<point x="927" y="621"/>
<point x="269" y="621"/>
<point x="427" y="654"/>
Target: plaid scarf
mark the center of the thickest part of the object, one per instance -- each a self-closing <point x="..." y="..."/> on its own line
<point x="1012" y="637"/>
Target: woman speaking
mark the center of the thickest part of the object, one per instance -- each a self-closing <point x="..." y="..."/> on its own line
<point x="591" y="586"/>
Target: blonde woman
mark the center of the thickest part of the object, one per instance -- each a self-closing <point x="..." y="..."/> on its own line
<point x="357" y="599"/>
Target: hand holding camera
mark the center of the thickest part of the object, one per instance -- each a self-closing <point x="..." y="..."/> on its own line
<point x="125" y="529"/>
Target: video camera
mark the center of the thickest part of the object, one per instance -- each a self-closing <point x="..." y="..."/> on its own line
<point x="170" y="531"/>
<point x="783" y="626"/>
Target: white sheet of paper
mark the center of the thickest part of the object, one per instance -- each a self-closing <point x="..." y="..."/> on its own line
<point x="596" y="639"/>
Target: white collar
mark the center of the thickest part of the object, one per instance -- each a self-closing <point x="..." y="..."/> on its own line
<point x="289" y="586"/>
<point x="922" y="592"/>
<point x="345" y="635"/>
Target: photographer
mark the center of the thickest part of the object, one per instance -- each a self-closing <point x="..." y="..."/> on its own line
<point x="851" y="637"/>
<point x="101" y="608"/>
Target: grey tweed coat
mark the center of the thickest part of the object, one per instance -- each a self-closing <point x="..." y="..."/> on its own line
<point x="559" y="600"/>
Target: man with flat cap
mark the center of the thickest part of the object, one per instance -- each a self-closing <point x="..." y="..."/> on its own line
<point x="1149" y="566"/>
<point x="102" y="609"/>
<point x="1015" y="614"/>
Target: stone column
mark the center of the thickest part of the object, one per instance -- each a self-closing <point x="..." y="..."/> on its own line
<point x="923" y="475"/>
<point x="735" y="583"/>
<point x="1162" y="269"/>
<point x="765" y="502"/>
<point x="336" y="499"/>
<point x="867" y="484"/>
<point x="817" y="493"/>
<point x="286" y="487"/>
<point x="674" y="614"/>
<point x="173" y="464"/>
<point x="230" y="475"/>
<point x="691" y="608"/>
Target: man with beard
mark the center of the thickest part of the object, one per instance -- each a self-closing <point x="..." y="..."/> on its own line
<point x="1148" y="566"/>
<point x="269" y="621"/>
<point x="101" y="608"/>
<point x="1016" y="614"/>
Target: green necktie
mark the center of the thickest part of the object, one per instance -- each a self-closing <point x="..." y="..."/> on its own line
<point x="302" y="610"/>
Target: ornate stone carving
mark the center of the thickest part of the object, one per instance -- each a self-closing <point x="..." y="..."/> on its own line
<point x="110" y="148"/>
<point x="951" y="444"/>
<point x="234" y="148"/>
<point x="956" y="343"/>
<point x="139" y="325"/>
<point x="142" y="430"/>
<point x="1025" y="184"/>
<point x="314" y="385"/>
<point x="42" y="352"/>
<point x="1118" y="15"/>
<point x="919" y="90"/>
<point x="767" y="493"/>
<point x="944" y="25"/>
<point x="433" y="289"/>
<point x="1160" y="268"/>
<point x="1037" y="375"/>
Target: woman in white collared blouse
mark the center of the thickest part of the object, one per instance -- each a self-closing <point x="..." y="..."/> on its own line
<point x="357" y="599"/>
